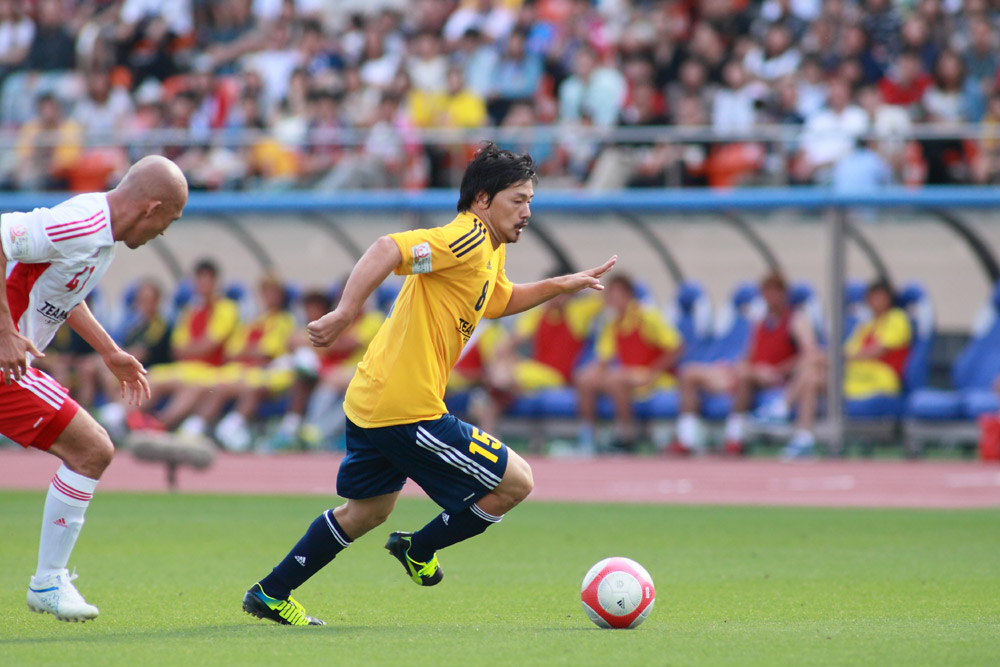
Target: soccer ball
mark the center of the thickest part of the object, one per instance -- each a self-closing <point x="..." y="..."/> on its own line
<point x="618" y="593"/>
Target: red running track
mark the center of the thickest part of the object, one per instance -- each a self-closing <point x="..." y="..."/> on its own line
<point x="641" y="480"/>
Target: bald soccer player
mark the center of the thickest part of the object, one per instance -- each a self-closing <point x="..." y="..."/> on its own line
<point x="52" y="258"/>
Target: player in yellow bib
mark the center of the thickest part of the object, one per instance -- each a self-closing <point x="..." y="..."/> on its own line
<point x="398" y="426"/>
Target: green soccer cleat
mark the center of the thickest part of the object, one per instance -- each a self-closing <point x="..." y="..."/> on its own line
<point x="422" y="574"/>
<point x="286" y="612"/>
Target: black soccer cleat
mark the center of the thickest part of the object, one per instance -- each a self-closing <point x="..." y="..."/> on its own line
<point x="286" y="612"/>
<point x="422" y="574"/>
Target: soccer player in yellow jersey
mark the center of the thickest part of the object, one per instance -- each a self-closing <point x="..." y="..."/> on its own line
<point x="398" y="426"/>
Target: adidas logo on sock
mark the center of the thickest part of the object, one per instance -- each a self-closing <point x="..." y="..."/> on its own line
<point x="445" y="517"/>
<point x="60" y="522"/>
<point x="301" y="560"/>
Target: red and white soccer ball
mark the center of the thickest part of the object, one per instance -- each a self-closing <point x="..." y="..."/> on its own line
<point x="618" y="593"/>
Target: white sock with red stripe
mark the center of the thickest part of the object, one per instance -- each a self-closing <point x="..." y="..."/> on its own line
<point x="67" y="501"/>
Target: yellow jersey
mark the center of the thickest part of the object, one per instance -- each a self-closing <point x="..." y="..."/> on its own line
<point x="455" y="278"/>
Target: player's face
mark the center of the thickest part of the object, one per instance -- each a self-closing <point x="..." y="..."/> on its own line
<point x="617" y="297"/>
<point x="879" y="301"/>
<point x="152" y="225"/>
<point x="510" y="211"/>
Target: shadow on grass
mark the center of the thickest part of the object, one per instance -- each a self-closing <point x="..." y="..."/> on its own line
<point x="249" y="631"/>
<point x="201" y="632"/>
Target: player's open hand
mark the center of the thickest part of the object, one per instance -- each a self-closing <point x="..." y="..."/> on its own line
<point x="131" y="374"/>
<point x="590" y="278"/>
<point x="324" y="331"/>
<point x="14" y="350"/>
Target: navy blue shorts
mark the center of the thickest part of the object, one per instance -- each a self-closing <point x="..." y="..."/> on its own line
<point x="455" y="463"/>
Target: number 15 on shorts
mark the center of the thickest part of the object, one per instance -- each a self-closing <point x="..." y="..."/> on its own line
<point x="480" y="438"/>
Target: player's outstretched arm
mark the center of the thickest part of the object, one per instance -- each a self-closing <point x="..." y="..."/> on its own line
<point x="14" y="347"/>
<point x="527" y="296"/>
<point x="130" y="372"/>
<point x="374" y="266"/>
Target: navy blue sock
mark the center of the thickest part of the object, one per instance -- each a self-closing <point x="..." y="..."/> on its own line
<point x="446" y="530"/>
<point x="324" y="540"/>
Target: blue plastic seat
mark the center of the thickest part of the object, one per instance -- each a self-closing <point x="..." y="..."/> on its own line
<point x="664" y="404"/>
<point x="973" y="374"/>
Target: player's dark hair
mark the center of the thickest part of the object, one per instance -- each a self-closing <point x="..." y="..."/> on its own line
<point x="318" y="298"/>
<point x="774" y="279"/>
<point x="881" y="285"/>
<point x="491" y="170"/>
<point x="624" y="282"/>
<point x="207" y="265"/>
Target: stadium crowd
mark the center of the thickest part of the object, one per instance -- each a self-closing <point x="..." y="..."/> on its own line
<point x="313" y="94"/>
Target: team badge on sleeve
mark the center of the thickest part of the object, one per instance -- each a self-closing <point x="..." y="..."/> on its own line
<point x="422" y="258"/>
<point x="20" y="245"/>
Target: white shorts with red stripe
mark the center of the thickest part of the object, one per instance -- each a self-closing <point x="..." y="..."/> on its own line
<point x="35" y="410"/>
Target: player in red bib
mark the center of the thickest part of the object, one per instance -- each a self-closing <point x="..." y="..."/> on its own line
<point x="52" y="259"/>
<point x="778" y="342"/>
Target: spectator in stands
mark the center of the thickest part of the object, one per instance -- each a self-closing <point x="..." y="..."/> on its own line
<point x="986" y="167"/>
<point x="981" y="63"/>
<point x="636" y="352"/>
<point x="197" y="345"/>
<point x="105" y="108"/>
<point x="779" y="340"/>
<point x="494" y="19"/>
<point x="915" y="37"/>
<point x="855" y="47"/>
<point x="146" y="336"/>
<point x="596" y="91"/>
<point x="829" y="134"/>
<point x="861" y="170"/>
<point x="516" y="76"/>
<point x="945" y="100"/>
<point x="875" y="356"/>
<point x="150" y="34"/>
<point x="17" y="32"/>
<point x="543" y="351"/>
<point x="426" y="65"/>
<point x="906" y="81"/>
<point x="48" y="146"/>
<point x="734" y="109"/>
<point x="250" y="374"/>
<point x="478" y="59"/>
<point x="457" y="106"/>
<point x="52" y="47"/>
<point x="777" y="57"/>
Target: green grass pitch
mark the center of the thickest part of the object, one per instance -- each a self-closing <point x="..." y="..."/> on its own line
<point x="735" y="585"/>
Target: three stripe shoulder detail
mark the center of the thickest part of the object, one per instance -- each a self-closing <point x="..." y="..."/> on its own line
<point x="470" y="240"/>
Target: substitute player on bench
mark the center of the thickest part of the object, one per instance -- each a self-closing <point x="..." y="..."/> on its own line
<point x="55" y="258"/>
<point x="398" y="426"/>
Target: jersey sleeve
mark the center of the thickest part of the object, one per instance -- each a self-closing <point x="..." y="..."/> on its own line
<point x="581" y="312"/>
<point x="433" y="250"/>
<point x="895" y="331"/>
<point x="24" y="239"/>
<point x="658" y="332"/>
<point x="225" y="318"/>
<point x="500" y="297"/>
<point x="274" y="343"/>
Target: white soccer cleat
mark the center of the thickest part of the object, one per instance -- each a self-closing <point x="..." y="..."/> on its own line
<point x="56" y="595"/>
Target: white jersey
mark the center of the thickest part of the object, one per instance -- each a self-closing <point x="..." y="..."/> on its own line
<point x="55" y="258"/>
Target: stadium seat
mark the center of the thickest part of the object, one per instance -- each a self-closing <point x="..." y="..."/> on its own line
<point x="691" y="313"/>
<point x="973" y="374"/>
<point x="947" y="415"/>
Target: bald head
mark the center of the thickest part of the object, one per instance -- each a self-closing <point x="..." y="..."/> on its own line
<point x="151" y="196"/>
<point x="156" y="177"/>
